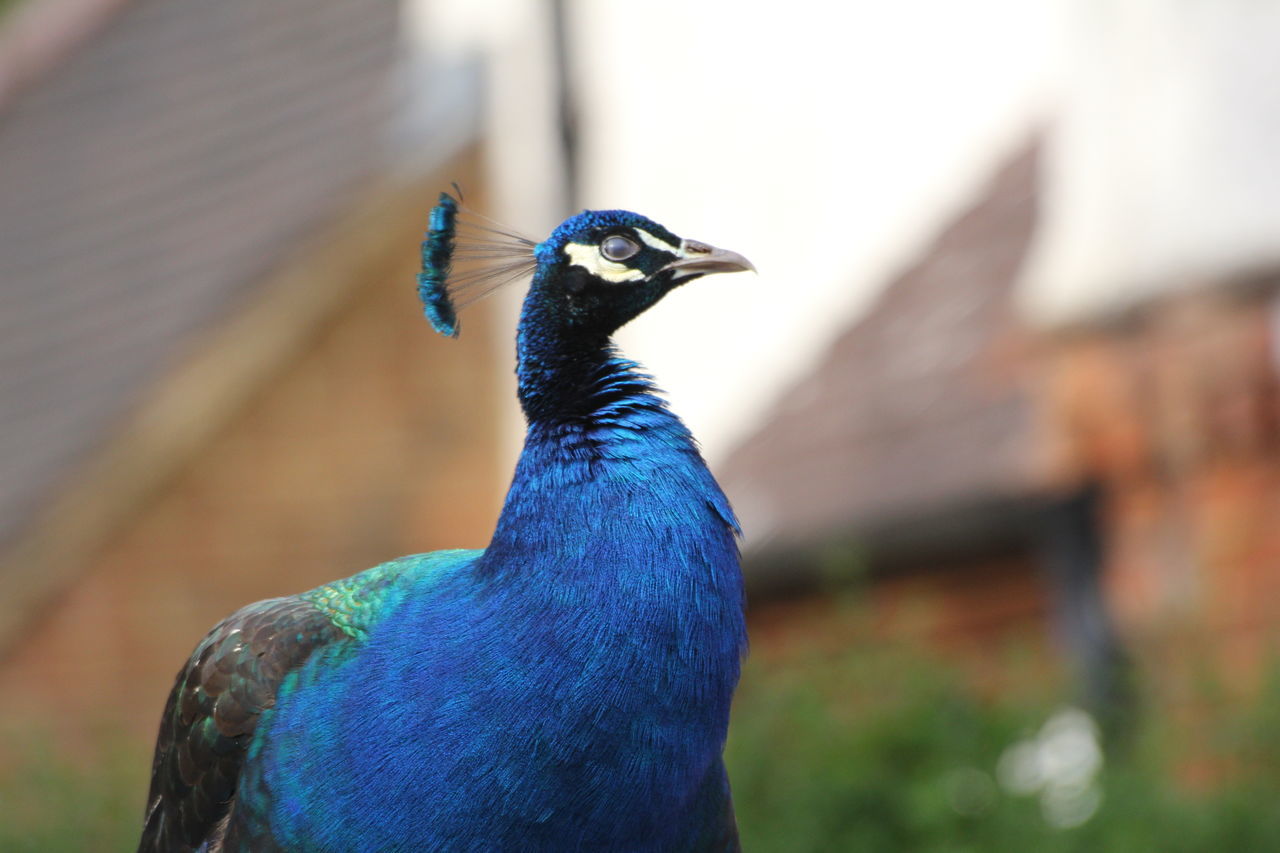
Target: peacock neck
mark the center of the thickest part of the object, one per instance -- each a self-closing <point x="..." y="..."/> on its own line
<point x="617" y="548"/>
<point x="605" y="465"/>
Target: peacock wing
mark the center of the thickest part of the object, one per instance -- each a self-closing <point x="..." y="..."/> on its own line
<point x="212" y="711"/>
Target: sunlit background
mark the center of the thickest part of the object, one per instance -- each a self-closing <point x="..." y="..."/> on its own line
<point x="1000" y="411"/>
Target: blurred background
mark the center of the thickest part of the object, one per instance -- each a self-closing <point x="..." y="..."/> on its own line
<point x="1000" y="413"/>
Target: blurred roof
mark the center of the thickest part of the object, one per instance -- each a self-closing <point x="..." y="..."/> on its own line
<point x="146" y="182"/>
<point x="36" y="34"/>
<point x="915" y="409"/>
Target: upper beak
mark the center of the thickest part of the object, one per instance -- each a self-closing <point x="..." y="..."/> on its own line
<point x="699" y="258"/>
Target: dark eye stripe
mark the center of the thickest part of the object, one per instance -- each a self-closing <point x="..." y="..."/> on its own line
<point x="618" y="248"/>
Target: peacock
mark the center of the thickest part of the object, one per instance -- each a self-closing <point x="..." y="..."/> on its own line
<point x="565" y="688"/>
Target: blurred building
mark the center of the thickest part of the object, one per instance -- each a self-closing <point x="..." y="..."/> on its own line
<point x="217" y="383"/>
<point x="1011" y="360"/>
<point x="1067" y="423"/>
<point x="902" y="464"/>
<point x="1156" y="281"/>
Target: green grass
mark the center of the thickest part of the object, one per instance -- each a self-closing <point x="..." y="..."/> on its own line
<point x="890" y="753"/>
<point x="52" y="802"/>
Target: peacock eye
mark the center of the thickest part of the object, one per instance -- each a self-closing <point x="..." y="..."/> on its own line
<point x="618" y="248"/>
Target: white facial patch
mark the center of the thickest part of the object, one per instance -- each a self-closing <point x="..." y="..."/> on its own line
<point x="661" y="245"/>
<point x="590" y="259"/>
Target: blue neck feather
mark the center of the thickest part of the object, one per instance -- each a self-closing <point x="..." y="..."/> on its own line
<point x="600" y="439"/>
<point x="619" y="536"/>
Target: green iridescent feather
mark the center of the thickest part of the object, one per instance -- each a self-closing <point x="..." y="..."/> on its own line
<point x="235" y="676"/>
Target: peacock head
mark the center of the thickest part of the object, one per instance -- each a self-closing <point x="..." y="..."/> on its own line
<point x="602" y="268"/>
<point x="597" y="271"/>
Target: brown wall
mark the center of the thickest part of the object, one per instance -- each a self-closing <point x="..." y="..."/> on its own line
<point x="1176" y="413"/>
<point x="377" y="439"/>
<point x="980" y="615"/>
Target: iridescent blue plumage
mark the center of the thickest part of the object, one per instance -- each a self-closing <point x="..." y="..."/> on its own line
<point x="437" y="259"/>
<point x="566" y="688"/>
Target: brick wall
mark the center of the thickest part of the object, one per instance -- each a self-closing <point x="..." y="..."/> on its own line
<point x="1177" y="413"/>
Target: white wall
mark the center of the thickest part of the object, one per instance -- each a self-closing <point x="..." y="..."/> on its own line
<point x="1165" y="166"/>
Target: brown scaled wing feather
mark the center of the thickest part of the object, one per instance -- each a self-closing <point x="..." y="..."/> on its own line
<point x="231" y="678"/>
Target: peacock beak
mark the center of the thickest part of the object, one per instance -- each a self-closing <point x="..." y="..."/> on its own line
<point x="699" y="259"/>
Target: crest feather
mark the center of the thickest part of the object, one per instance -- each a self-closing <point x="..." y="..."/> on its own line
<point x="493" y="256"/>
